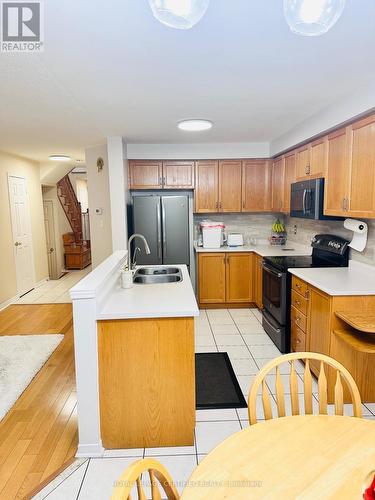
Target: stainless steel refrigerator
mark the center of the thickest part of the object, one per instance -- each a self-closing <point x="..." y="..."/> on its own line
<point x="164" y="222"/>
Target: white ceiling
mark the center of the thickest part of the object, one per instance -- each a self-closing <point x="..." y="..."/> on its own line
<point x="109" y="68"/>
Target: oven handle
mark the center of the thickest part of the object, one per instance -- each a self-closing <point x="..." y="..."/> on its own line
<point x="271" y="271"/>
<point x="277" y="330"/>
<point x="304" y="201"/>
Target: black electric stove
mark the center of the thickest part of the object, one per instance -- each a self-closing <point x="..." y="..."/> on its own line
<point x="328" y="251"/>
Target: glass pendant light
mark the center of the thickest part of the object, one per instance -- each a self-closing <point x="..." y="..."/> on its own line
<point x="312" y="17"/>
<point x="180" y="14"/>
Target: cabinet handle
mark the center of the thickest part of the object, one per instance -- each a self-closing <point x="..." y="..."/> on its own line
<point x="217" y="204"/>
<point x="307" y="294"/>
<point x="298" y="302"/>
<point x="298" y="341"/>
<point x="243" y="204"/>
<point x="160" y="181"/>
<point x="346" y="206"/>
<point x="298" y="286"/>
<point x="220" y="205"/>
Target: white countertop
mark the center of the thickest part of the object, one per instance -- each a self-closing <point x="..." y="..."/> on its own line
<point x="151" y="301"/>
<point x="357" y="279"/>
<point x="287" y="250"/>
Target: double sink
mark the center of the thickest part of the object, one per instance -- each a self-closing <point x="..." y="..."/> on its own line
<point x="157" y="275"/>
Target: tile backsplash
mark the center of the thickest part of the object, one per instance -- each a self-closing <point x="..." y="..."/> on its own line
<point x="259" y="226"/>
<point x="250" y="225"/>
<point x="306" y="229"/>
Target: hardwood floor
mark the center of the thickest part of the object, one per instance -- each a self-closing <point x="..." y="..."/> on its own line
<point x="38" y="437"/>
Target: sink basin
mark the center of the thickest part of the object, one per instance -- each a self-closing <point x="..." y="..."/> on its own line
<point x="156" y="275"/>
<point x="157" y="271"/>
<point x="143" y="279"/>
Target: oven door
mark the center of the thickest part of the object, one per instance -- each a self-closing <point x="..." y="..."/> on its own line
<point x="274" y="293"/>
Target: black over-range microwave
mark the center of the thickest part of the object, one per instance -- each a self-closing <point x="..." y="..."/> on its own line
<point x="307" y="200"/>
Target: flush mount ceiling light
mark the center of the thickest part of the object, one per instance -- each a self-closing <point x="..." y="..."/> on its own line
<point x="180" y="14"/>
<point x="194" y="125"/>
<point x="60" y="158"/>
<point x="312" y="17"/>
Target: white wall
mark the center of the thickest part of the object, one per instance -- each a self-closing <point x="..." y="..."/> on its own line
<point x="201" y="151"/>
<point x="99" y="198"/>
<point x="15" y="165"/>
<point x="119" y="192"/>
<point x="340" y="112"/>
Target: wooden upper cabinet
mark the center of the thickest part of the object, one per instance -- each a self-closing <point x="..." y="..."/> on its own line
<point x="207" y="186"/>
<point x="144" y="174"/>
<point x="336" y="190"/>
<point x="303" y="162"/>
<point x="178" y="174"/>
<point x="239" y="277"/>
<point x="211" y="278"/>
<point x="256" y="185"/>
<point x="278" y="171"/>
<point x="230" y="175"/>
<point x="362" y="163"/>
<point x="311" y="160"/>
<point x="318" y="158"/>
<point x="289" y="178"/>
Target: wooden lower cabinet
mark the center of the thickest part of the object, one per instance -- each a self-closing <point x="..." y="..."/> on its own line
<point x="258" y="281"/>
<point x="316" y="328"/>
<point x="238" y="279"/>
<point x="211" y="278"/>
<point x="147" y="382"/>
<point x="225" y="279"/>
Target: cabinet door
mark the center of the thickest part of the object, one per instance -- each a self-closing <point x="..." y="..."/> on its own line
<point x="362" y="183"/>
<point x="289" y="178"/>
<point x="230" y="175"/>
<point x="303" y="162"/>
<point x="336" y="188"/>
<point x="178" y="174"/>
<point x="258" y="281"/>
<point x="278" y="185"/>
<point x="211" y="278"/>
<point x="319" y="323"/>
<point x="145" y="174"/>
<point x="239" y="277"/>
<point x="256" y="186"/>
<point x="207" y="186"/>
<point x="318" y="158"/>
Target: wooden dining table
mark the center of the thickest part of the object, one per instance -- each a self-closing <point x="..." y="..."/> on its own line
<point x="301" y="457"/>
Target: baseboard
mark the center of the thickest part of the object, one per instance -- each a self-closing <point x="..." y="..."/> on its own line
<point x="8" y="302"/>
<point x="94" y="450"/>
<point x="240" y="305"/>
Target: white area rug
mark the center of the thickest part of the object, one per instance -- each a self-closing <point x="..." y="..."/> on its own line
<point x="21" y="357"/>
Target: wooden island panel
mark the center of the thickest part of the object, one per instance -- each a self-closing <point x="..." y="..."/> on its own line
<point x="147" y="382"/>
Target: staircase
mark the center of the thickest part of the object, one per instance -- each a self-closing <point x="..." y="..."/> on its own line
<point x="71" y="206"/>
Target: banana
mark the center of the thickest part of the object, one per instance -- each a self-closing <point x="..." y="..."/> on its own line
<point x="278" y="227"/>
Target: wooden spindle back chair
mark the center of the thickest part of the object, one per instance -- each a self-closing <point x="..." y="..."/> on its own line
<point x="133" y="476"/>
<point x="341" y="373"/>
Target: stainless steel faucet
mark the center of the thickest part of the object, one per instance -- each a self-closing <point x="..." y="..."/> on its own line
<point x="147" y="248"/>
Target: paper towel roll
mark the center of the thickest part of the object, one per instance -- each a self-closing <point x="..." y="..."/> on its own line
<point x="360" y="230"/>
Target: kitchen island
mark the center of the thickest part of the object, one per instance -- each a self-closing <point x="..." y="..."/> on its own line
<point x="134" y="354"/>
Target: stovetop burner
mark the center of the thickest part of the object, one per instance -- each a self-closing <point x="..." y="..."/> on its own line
<point x="299" y="261"/>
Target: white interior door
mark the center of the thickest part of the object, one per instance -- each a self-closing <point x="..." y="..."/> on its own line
<point x="21" y="229"/>
<point x="49" y="226"/>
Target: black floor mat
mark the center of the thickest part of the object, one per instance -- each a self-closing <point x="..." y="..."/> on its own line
<point x="216" y="385"/>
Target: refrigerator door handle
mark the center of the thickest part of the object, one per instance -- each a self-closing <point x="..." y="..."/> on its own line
<point x="164" y="229"/>
<point x="158" y="229"/>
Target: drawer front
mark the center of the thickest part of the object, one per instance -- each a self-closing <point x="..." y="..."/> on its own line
<point x="298" y="339"/>
<point x="298" y="319"/>
<point x="299" y="286"/>
<point x="299" y="302"/>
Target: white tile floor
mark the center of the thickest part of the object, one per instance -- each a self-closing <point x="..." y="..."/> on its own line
<point x="54" y="291"/>
<point x="238" y="332"/>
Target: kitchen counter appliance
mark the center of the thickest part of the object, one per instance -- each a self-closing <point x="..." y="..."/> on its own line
<point x="328" y="251"/>
<point x="307" y="200"/>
